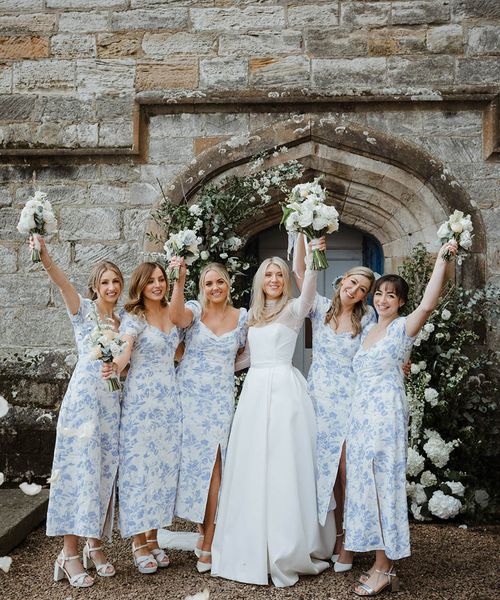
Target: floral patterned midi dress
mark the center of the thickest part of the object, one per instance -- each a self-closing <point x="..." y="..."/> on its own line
<point x="150" y="430"/>
<point x="329" y="384"/>
<point x="205" y="378"/>
<point x="85" y="462"/>
<point x="376" y="514"/>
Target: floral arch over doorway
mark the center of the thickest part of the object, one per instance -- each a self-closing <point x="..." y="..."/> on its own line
<point x="380" y="184"/>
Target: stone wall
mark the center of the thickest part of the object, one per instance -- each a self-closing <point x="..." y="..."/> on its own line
<point x="100" y="98"/>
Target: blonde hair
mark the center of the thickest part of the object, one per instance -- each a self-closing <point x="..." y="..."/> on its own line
<point x="360" y="308"/>
<point x="220" y="270"/>
<point x="96" y="274"/>
<point x="138" y="281"/>
<point x="259" y="314"/>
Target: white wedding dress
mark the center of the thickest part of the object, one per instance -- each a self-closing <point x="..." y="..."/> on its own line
<point x="267" y="522"/>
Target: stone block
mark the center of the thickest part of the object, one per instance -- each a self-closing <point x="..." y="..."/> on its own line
<point x="482" y="71"/>
<point x="485" y="193"/>
<point x="28" y="23"/>
<point x="125" y="255"/>
<point x="5" y="79"/>
<point x="260" y="43"/>
<point x="18" y="6"/>
<point x="98" y="76"/>
<point x="117" y="45"/>
<point x="203" y="143"/>
<point x="84" y="22"/>
<point x="16" y="290"/>
<point x="144" y="193"/>
<point x="72" y="45"/>
<point x="86" y="4"/>
<point x="450" y="123"/>
<point x="223" y="123"/>
<point x="77" y="108"/>
<point x="108" y="195"/>
<point x="10" y="174"/>
<point x="52" y="324"/>
<point x="69" y="193"/>
<point x="175" y="125"/>
<point x="459" y="150"/>
<point x="110" y="107"/>
<point x="336" y="43"/>
<point x="290" y="71"/>
<point x="387" y="42"/>
<point x="9" y="218"/>
<point x="418" y="12"/>
<point x="145" y="3"/>
<point x="89" y="224"/>
<point x="365" y="14"/>
<point x="164" y="17"/>
<point x="160" y="45"/>
<point x="343" y="72"/>
<point x="15" y="135"/>
<point x="475" y="9"/>
<point x="250" y="18"/>
<point x="165" y="173"/>
<point x="116" y="134"/>
<point x="134" y="224"/>
<point x="171" y="151"/>
<point x="5" y="196"/>
<point x="434" y="70"/>
<point x="16" y="107"/>
<point x="64" y="173"/>
<point x="447" y="39"/>
<point x="44" y="74"/>
<point x="120" y="173"/>
<point x="179" y="73"/>
<point x="484" y="39"/>
<point x="61" y="255"/>
<point x="49" y="134"/>
<point x="223" y="73"/>
<point x="8" y="259"/>
<point x="16" y="47"/>
<point x="313" y="16"/>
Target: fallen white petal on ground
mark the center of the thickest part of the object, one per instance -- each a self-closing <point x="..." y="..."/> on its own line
<point x="30" y="489"/>
<point x="54" y="476"/>
<point x="177" y="540"/>
<point x="2" y="478"/>
<point x="204" y="595"/>
<point x="462" y="526"/>
<point x="4" y="407"/>
<point x="5" y="562"/>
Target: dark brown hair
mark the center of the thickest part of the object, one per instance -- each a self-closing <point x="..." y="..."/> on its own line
<point x="138" y="281"/>
<point x="399" y="286"/>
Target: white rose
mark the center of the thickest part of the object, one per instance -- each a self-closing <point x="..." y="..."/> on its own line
<point x="456" y="227"/>
<point x="443" y="506"/>
<point x="423" y="365"/>
<point x="429" y="327"/>
<point x="431" y="395"/>
<point x="195" y="209"/>
<point x="305" y="218"/>
<point x="204" y="255"/>
<point x="223" y="255"/>
<point x="427" y="479"/>
<point x="456" y="487"/>
<point x="415" y="368"/>
<point x="445" y="314"/>
<point x="465" y="240"/>
<point x="467" y="223"/>
<point x="443" y="231"/>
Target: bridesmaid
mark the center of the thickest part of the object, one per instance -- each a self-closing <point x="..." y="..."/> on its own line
<point x="376" y="514"/>
<point x="215" y="332"/>
<point x="337" y="325"/>
<point x="150" y="426"/>
<point x="82" y="489"/>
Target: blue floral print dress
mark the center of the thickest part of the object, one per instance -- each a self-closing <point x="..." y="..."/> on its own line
<point x="86" y="453"/>
<point x="150" y="430"/>
<point x="205" y="378"/>
<point x="329" y="383"/>
<point x="376" y="514"/>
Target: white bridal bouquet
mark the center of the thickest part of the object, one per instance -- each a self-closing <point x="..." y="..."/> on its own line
<point x="458" y="227"/>
<point x="37" y="217"/>
<point x="106" y="345"/>
<point x="307" y="213"/>
<point x="184" y="243"/>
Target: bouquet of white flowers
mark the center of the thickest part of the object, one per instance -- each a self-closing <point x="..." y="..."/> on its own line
<point x="307" y="213"/>
<point x="184" y="243"/>
<point x="458" y="227"/>
<point x="106" y="344"/>
<point x="37" y="217"/>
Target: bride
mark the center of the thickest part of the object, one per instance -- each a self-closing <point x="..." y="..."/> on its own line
<point x="267" y="522"/>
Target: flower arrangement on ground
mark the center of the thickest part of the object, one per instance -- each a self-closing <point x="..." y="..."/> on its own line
<point x="451" y="395"/>
<point x="306" y="212"/>
<point x="37" y="218"/>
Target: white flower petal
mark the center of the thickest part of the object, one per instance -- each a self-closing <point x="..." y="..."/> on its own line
<point x="55" y="475"/>
<point x="30" y="489"/>
<point x="2" y="478"/>
<point x="4" y="407"/>
<point x="5" y="562"/>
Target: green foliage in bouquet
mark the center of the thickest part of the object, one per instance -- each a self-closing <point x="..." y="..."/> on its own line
<point x="452" y="400"/>
<point x="219" y="211"/>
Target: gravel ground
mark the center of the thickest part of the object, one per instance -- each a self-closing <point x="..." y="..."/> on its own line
<point x="447" y="563"/>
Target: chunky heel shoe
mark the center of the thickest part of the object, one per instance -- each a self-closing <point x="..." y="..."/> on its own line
<point x="160" y="555"/>
<point x="141" y="561"/>
<point x="392" y="584"/>
<point x="204" y="567"/>
<point x="80" y="580"/>
<point x="104" y="569"/>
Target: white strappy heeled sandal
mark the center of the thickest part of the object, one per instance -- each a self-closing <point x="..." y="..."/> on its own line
<point x="141" y="561"/>
<point x="199" y="544"/>
<point x="204" y="567"/>
<point x="104" y="569"/>
<point x="80" y="580"/>
<point x="160" y="555"/>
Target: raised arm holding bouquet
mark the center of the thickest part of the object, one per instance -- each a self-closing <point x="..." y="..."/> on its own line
<point x="37" y="218"/>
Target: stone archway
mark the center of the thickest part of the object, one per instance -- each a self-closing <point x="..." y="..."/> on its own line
<point x="382" y="185"/>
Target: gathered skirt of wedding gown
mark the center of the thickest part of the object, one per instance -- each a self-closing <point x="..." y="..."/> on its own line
<point x="267" y="522"/>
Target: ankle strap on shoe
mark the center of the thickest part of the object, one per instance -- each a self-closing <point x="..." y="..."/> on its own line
<point x="341" y="533"/>
<point x="135" y="548"/>
<point x="153" y="541"/>
<point x="388" y="574"/>
<point x="65" y="558"/>
<point x="93" y="549"/>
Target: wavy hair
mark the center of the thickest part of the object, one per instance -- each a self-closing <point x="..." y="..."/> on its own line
<point x="259" y="314"/>
<point x="96" y="274"/>
<point x="360" y="308"/>
<point x="220" y="270"/>
<point x="138" y="281"/>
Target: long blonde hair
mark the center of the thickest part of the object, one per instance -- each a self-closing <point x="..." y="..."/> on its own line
<point x="360" y="308"/>
<point x="97" y="272"/>
<point x="220" y="270"/>
<point x="138" y="281"/>
<point x="259" y="314"/>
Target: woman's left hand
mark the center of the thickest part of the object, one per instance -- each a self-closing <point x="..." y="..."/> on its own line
<point x="318" y="244"/>
<point x="451" y="247"/>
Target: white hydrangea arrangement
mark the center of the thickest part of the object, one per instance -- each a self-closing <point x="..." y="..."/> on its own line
<point x="37" y="218"/>
<point x="458" y="227"/>
<point x="184" y="243"/>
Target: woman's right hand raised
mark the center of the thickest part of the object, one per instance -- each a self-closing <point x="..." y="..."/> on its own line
<point x="180" y="263"/>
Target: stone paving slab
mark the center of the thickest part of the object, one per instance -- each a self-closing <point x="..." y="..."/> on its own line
<point x="19" y="515"/>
